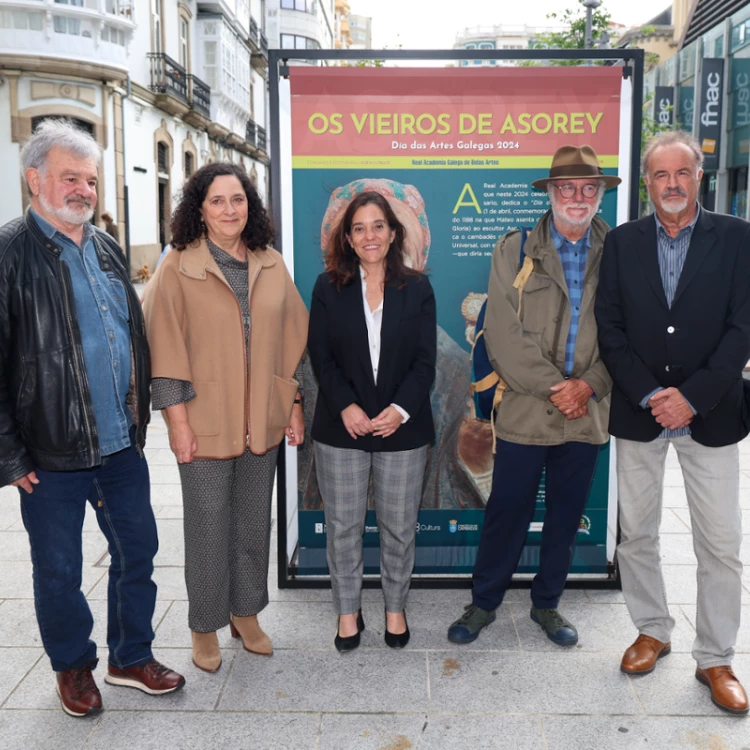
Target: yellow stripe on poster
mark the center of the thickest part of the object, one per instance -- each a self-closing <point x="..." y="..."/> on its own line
<point x="430" y="162"/>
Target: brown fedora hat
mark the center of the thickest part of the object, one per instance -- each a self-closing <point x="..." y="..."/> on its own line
<point x="573" y="163"/>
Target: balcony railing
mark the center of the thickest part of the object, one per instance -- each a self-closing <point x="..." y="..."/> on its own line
<point x="167" y="77"/>
<point x="200" y="95"/>
<point x="261" y="138"/>
<point x="254" y="31"/>
<point x="251" y="133"/>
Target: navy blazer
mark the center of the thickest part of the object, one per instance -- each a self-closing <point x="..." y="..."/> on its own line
<point x="700" y="345"/>
<point x="340" y="357"/>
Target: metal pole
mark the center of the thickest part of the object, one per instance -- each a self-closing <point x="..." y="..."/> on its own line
<point x="591" y="6"/>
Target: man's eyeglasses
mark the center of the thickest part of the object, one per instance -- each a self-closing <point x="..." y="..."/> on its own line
<point x="568" y="191"/>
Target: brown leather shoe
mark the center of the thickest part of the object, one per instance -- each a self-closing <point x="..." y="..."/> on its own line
<point x="726" y="690"/>
<point x="152" y="678"/>
<point x="79" y="695"/>
<point x="641" y="657"/>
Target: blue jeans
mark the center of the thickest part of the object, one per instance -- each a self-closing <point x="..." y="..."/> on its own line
<point x="119" y="491"/>
<point x="510" y="510"/>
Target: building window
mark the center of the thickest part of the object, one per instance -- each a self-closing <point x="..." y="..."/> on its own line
<point x="226" y="61"/>
<point x="306" y="6"/>
<point x="11" y="19"/>
<point x="189" y="166"/>
<point x="293" y="41"/>
<point x="157" y="26"/>
<point x="209" y="59"/>
<point x="161" y="157"/>
<point x="115" y="36"/>
<point x="184" y="43"/>
<point x="80" y="124"/>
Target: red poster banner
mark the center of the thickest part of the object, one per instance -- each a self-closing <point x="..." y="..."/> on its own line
<point x="406" y="112"/>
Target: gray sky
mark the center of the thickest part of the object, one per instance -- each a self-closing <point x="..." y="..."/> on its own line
<point x="423" y="24"/>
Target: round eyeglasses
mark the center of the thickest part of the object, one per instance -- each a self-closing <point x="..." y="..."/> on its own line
<point x="568" y="191"/>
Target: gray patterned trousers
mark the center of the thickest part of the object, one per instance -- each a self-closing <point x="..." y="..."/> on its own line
<point x="344" y="479"/>
<point x="227" y="509"/>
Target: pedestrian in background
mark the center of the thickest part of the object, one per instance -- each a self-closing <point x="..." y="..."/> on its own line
<point x="110" y="227"/>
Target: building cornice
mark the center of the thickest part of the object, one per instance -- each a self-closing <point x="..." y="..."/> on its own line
<point x="82" y="70"/>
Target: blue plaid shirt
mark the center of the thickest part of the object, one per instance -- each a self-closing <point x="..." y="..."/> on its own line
<point x="573" y="257"/>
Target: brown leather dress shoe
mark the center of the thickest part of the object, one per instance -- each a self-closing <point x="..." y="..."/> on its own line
<point x="641" y="657"/>
<point x="152" y="678"/>
<point x="79" y="695"/>
<point x="726" y="690"/>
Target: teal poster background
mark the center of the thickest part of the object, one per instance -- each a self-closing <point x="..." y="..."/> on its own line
<point x="448" y="537"/>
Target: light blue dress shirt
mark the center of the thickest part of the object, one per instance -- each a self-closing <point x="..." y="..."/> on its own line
<point x="102" y="311"/>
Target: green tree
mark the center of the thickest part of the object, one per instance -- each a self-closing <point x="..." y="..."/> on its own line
<point x="573" y="33"/>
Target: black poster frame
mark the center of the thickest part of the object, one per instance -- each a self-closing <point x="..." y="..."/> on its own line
<point x="632" y="63"/>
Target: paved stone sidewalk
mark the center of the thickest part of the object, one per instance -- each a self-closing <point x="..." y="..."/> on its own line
<point x="510" y="689"/>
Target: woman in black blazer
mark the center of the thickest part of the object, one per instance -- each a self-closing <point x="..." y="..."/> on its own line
<point x="372" y="345"/>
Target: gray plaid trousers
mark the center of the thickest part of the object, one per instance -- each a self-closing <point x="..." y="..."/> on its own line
<point x="344" y="480"/>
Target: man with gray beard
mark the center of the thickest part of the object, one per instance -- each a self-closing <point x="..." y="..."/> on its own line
<point x="673" y="310"/>
<point x="74" y="405"/>
<point x="555" y="405"/>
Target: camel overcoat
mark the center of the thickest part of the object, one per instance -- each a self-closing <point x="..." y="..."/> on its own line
<point x="196" y="332"/>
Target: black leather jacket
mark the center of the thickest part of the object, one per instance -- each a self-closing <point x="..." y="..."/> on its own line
<point x="46" y="412"/>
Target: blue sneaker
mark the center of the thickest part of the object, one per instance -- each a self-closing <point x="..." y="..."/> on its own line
<point x="558" y="629"/>
<point x="466" y="629"/>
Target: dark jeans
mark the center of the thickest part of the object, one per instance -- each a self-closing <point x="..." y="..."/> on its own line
<point x="510" y="510"/>
<point x="119" y="491"/>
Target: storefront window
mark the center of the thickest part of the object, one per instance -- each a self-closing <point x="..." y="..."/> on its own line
<point x="738" y="191"/>
<point x="686" y="104"/>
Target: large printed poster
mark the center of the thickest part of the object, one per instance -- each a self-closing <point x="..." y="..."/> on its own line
<point x="459" y="149"/>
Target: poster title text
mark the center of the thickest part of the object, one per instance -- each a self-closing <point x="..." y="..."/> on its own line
<point x="398" y="123"/>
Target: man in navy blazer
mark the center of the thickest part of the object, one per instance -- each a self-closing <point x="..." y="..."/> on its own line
<point x="673" y="311"/>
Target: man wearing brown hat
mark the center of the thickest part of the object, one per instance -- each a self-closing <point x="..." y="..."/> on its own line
<point x="555" y="406"/>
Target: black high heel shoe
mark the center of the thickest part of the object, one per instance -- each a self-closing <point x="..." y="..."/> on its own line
<point x="350" y="642"/>
<point x="397" y="640"/>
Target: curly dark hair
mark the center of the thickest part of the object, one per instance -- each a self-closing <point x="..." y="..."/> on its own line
<point x="342" y="263"/>
<point x="186" y="220"/>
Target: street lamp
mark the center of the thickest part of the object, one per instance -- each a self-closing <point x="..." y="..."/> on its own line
<point x="591" y="6"/>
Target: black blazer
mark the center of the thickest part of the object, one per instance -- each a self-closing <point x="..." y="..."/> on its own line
<point x="340" y="357"/>
<point x="700" y="345"/>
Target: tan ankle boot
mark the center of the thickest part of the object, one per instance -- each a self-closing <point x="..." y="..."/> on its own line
<point x="206" y="653"/>
<point x="254" y="639"/>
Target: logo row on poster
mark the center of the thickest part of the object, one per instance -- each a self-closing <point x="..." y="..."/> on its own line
<point x="584" y="527"/>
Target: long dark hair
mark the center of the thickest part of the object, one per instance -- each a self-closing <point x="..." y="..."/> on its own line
<point x="342" y="263"/>
<point x="186" y="220"/>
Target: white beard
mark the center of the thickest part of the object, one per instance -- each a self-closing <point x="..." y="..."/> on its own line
<point x="672" y="207"/>
<point x="67" y="214"/>
<point x="561" y="217"/>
